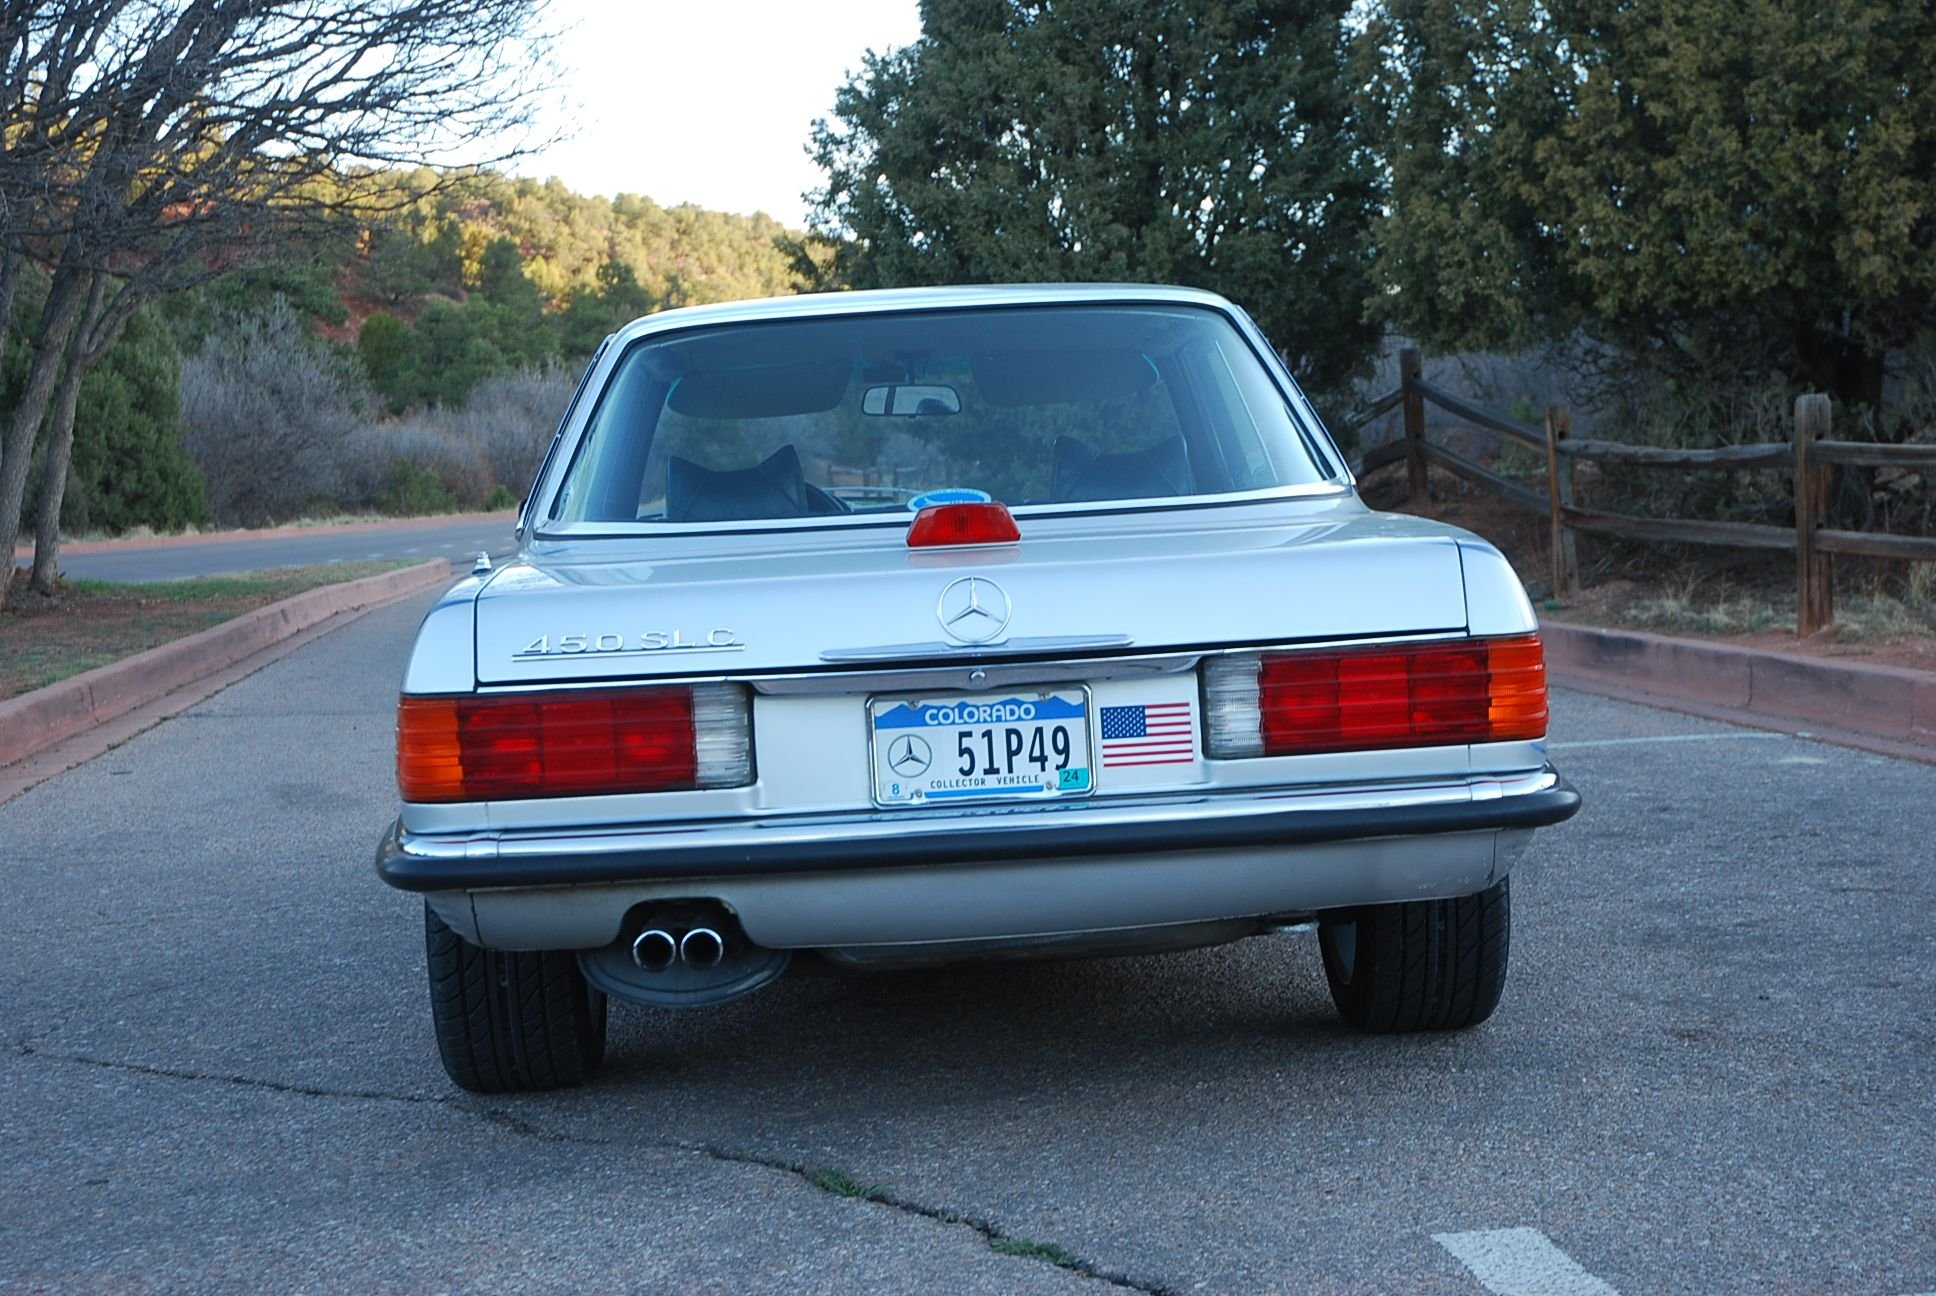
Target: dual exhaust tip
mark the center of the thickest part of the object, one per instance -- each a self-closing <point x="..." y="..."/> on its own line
<point x="656" y="949"/>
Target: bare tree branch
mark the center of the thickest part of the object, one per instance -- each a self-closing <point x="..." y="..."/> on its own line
<point x="151" y="144"/>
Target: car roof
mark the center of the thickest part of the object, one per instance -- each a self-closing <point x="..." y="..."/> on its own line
<point x="810" y="305"/>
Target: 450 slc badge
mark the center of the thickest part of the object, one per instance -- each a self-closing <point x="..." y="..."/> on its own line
<point x="614" y="644"/>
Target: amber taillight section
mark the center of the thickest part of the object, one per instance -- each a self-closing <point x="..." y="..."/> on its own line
<point x="485" y="747"/>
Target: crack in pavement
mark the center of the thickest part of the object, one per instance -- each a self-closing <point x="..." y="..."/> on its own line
<point x="238" y="1081"/>
<point x="997" y="1239"/>
<point x="992" y="1234"/>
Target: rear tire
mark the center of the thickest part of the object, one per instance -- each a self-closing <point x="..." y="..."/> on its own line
<point x="510" y="1021"/>
<point x="1422" y="965"/>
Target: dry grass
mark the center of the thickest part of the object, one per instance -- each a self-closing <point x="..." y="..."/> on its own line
<point x="1685" y="603"/>
<point x="91" y="623"/>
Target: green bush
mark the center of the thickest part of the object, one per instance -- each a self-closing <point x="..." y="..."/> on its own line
<point x="128" y="467"/>
<point x="414" y="492"/>
<point x="385" y="346"/>
<point x="500" y="498"/>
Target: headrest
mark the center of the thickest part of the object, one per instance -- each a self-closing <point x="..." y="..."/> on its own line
<point x="773" y="489"/>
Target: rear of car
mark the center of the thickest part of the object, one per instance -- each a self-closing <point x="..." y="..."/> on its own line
<point x="879" y="629"/>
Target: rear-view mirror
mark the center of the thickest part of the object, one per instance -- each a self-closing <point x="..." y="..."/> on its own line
<point x="909" y="401"/>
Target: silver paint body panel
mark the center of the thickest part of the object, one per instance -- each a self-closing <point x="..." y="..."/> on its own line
<point x="1128" y="601"/>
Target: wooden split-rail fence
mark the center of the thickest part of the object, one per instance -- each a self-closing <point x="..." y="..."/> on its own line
<point x="1810" y="455"/>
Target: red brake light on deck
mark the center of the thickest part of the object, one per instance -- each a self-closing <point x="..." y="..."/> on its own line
<point x="1392" y="695"/>
<point x="484" y="747"/>
<point x="963" y="524"/>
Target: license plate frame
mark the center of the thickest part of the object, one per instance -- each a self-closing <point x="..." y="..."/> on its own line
<point x="933" y="717"/>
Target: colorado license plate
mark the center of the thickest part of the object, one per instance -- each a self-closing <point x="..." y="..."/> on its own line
<point x="936" y="751"/>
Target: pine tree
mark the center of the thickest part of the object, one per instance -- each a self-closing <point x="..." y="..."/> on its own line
<point x="1102" y="140"/>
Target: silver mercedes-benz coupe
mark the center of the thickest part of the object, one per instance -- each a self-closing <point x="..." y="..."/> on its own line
<point x="866" y="630"/>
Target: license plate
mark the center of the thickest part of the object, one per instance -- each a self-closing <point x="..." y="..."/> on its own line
<point x="944" y="750"/>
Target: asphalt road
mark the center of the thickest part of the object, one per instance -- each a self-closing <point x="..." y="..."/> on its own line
<point x="459" y="540"/>
<point x="1712" y="1072"/>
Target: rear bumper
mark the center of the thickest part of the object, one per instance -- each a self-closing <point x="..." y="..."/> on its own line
<point x="895" y="878"/>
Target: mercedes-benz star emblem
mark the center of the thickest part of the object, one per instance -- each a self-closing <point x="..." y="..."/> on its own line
<point x="909" y="756"/>
<point x="974" y="609"/>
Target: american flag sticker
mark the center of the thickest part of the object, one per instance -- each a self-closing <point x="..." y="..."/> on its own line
<point x="1156" y="733"/>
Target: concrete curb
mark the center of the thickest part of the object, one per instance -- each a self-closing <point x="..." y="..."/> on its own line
<point x="37" y="720"/>
<point x="1888" y="703"/>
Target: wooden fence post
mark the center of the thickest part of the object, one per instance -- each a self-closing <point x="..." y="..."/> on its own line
<point x="1411" y="367"/>
<point x="1814" y="570"/>
<point x="1559" y="495"/>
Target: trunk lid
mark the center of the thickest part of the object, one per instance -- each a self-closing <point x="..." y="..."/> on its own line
<point x="731" y="605"/>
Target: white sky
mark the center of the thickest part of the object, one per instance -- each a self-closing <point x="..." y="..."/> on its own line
<point x="706" y="101"/>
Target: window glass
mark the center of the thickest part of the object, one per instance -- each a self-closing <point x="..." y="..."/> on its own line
<point x="879" y="414"/>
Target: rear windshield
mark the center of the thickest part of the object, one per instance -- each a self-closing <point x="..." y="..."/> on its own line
<point x="825" y="419"/>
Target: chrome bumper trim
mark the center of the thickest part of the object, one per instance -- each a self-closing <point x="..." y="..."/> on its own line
<point x="1195" y="822"/>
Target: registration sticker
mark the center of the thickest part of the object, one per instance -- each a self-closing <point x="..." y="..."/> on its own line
<point x="938" y="750"/>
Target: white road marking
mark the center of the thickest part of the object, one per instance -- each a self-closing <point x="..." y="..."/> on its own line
<point x="1520" y="1262"/>
<point x="1674" y="738"/>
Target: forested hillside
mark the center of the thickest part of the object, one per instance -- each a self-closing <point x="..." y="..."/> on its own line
<point x="347" y="375"/>
<point x="496" y="273"/>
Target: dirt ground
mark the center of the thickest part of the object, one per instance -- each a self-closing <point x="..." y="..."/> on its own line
<point x="1727" y="595"/>
<point x="91" y="623"/>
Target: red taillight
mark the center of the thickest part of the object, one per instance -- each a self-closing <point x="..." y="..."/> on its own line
<point x="962" y="524"/>
<point x="505" y="746"/>
<point x="1362" y="699"/>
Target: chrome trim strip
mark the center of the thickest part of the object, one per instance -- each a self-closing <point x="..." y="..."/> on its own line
<point x="558" y="530"/>
<point x="971" y="676"/>
<point x="1041" y="643"/>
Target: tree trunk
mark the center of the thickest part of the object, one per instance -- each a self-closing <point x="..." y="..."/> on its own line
<point x="1849" y="372"/>
<point x="83" y="355"/>
<point x="57" y="322"/>
<point x="10" y="263"/>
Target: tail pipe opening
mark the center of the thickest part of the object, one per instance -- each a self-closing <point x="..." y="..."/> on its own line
<point x="681" y="954"/>
<point x="702" y="949"/>
<point x="655" y="950"/>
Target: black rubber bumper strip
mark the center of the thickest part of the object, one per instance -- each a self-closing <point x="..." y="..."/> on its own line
<point x="1035" y="835"/>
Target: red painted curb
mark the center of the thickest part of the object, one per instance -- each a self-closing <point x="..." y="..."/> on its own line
<point x="1886" y="702"/>
<point x="37" y="720"/>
